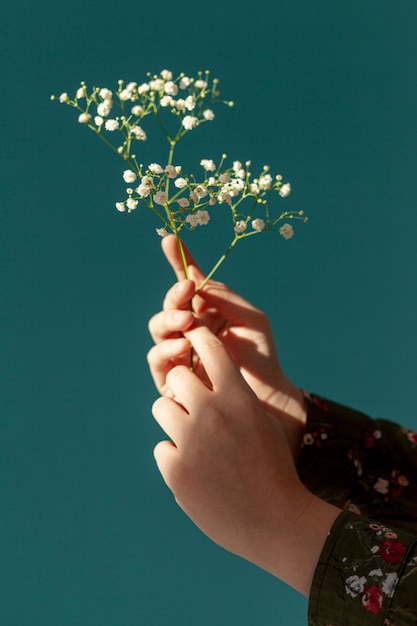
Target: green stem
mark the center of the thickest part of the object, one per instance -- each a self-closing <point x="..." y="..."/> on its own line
<point x="219" y="262"/>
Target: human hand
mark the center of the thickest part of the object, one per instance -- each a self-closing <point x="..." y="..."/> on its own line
<point x="230" y="469"/>
<point x="244" y="330"/>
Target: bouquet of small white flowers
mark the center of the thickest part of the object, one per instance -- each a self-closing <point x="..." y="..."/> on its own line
<point x="180" y="200"/>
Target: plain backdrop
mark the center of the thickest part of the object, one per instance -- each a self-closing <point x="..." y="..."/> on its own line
<point x="326" y="93"/>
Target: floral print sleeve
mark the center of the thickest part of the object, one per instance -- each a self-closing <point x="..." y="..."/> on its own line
<point x="366" y="576"/>
<point x="367" y="573"/>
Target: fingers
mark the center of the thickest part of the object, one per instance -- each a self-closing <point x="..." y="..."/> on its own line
<point x="179" y="295"/>
<point x="171" y="251"/>
<point x="169" y="324"/>
<point x="170" y="416"/>
<point x="166" y="355"/>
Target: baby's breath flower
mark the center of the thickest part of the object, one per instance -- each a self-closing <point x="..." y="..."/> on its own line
<point x="105" y="93"/>
<point x="166" y="101"/>
<point x="129" y="176"/>
<point x="171" y="88"/>
<point x="64" y="97"/>
<point x="155" y="168"/>
<point x="162" y="232"/>
<point x="265" y="182"/>
<point x="166" y="74"/>
<point x="184" y="82"/>
<point x="81" y="93"/>
<point x="190" y="103"/>
<point x="200" y="84"/>
<point x="285" y="190"/>
<point x="120" y="206"/>
<point x="144" y="190"/>
<point x="138" y="110"/>
<point x="160" y="197"/>
<point x="84" y="118"/>
<point x="183" y="202"/>
<point x="208" y="165"/>
<point x="208" y="114"/>
<point x="147" y="180"/>
<point x="192" y="220"/>
<point x="189" y="122"/>
<point x="157" y="84"/>
<point x="240" y="226"/>
<point x="286" y="231"/>
<point x="212" y="201"/>
<point x="139" y="133"/>
<point x="203" y="217"/>
<point x="143" y="88"/>
<point x="131" y="204"/>
<point x="125" y="94"/>
<point x="254" y="189"/>
<point x="111" y="125"/>
<point x="201" y="191"/>
<point x="258" y="224"/>
<point x="211" y="181"/>
<point x="224" y="178"/>
<point x="98" y="120"/>
<point x="171" y="171"/>
<point x="224" y="196"/>
<point x="179" y="104"/>
<point x="104" y="108"/>
<point x="180" y="183"/>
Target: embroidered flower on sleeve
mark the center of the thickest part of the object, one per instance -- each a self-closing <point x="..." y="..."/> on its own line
<point x="392" y="551"/>
<point x="372" y="599"/>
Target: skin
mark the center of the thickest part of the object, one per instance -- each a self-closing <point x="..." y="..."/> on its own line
<point x="234" y="424"/>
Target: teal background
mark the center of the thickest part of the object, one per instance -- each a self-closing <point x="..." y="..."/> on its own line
<point x="325" y="93"/>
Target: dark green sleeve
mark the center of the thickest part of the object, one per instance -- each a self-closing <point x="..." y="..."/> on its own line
<point x="366" y="576"/>
<point x="359" y="464"/>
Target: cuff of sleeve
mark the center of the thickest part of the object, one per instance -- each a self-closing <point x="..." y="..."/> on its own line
<point x="358" y="572"/>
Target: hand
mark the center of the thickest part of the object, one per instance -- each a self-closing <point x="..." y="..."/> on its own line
<point x="230" y="468"/>
<point x="244" y="330"/>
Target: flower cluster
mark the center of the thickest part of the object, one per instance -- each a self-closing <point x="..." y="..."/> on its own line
<point x="180" y="200"/>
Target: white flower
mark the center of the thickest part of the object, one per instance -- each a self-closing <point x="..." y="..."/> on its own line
<point x="105" y="93"/>
<point x="155" y="168"/>
<point x="157" y="84"/>
<point x="355" y="585"/>
<point x="120" y="206"/>
<point x="194" y="197"/>
<point x="104" y="108"/>
<point x="240" y="226"/>
<point x="111" y="125"/>
<point x="201" y="191"/>
<point x="200" y="84"/>
<point x="81" y="93"/>
<point x="265" y="181"/>
<point x="254" y="189"/>
<point x="143" y="88"/>
<point x="211" y="182"/>
<point x="84" y="118"/>
<point x="162" y="232"/>
<point x="144" y="190"/>
<point x="237" y="165"/>
<point x="376" y="572"/>
<point x="203" y="217"/>
<point x="208" y="165"/>
<point x="139" y="133"/>
<point x="183" y="202"/>
<point x="166" y="101"/>
<point x="129" y="176"/>
<point x="192" y="220"/>
<point x="381" y="485"/>
<point x="224" y="196"/>
<point x="212" y="201"/>
<point x="166" y="75"/>
<point x="208" y="114"/>
<point x="258" y="224"/>
<point x="286" y="231"/>
<point x="125" y="94"/>
<point x="131" y="204"/>
<point x="64" y="97"/>
<point x="180" y="183"/>
<point x="390" y="583"/>
<point x="190" y="103"/>
<point x="98" y="120"/>
<point x="224" y="178"/>
<point x="285" y="190"/>
<point x="179" y="104"/>
<point x="137" y="110"/>
<point x="171" y="88"/>
<point x="171" y="171"/>
<point x="184" y="82"/>
<point x="160" y="197"/>
<point x="189" y="122"/>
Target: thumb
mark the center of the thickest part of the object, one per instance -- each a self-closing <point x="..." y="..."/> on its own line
<point x="172" y="253"/>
